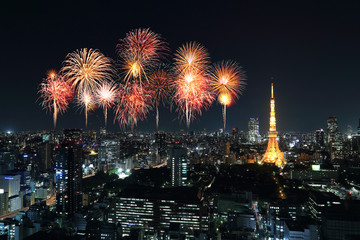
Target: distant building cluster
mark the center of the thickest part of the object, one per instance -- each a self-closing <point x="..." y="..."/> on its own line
<point x="75" y="184"/>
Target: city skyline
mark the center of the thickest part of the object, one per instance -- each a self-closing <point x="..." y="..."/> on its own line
<point x="306" y="72"/>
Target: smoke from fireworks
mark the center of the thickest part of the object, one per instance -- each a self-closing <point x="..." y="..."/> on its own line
<point x="192" y="89"/>
<point x="227" y="81"/>
<point x="160" y="82"/>
<point x="56" y="94"/>
<point x="139" y="50"/>
<point x="106" y="96"/>
<point x="134" y="102"/>
<point x="86" y="69"/>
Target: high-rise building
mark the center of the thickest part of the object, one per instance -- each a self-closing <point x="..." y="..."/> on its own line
<point x="235" y="134"/>
<point x="69" y="159"/>
<point x="161" y="145"/>
<point x="10" y="184"/>
<point x="253" y="134"/>
<point x="332" y="129"/>
<point x="178" y="165"/>
<point x="273" y="154"/>
<point x="160" y="211"/>
<point x="109" y="152"/>
<point x="320" y="137"/>
<point x="46" y="150"/>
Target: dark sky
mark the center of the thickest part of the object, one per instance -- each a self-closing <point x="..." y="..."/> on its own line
<point x="311" y="49"/>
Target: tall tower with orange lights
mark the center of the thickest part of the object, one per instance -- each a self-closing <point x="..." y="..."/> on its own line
<point x="273" y="154"/>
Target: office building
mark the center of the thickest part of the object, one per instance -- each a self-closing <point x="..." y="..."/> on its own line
<point x="178" y="165"/>
<point x="160" y="211"/>
<point x="69" y="159"/>
<point x="332" y="129"/>
<point x="253" y="133"/>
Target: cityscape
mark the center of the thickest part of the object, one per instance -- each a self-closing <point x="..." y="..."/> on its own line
<point x="165" y="137"/>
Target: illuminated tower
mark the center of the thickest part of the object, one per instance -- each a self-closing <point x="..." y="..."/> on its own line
<point x="273" y="154"/>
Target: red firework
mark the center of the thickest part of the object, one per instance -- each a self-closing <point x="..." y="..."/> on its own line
<point x="139" y="50"/>
<point x="161" y="83"/>
<point x="192" y="95"/>
<point x="192" y="89"/>
<point x="134" y="102"/>
<point x="56" y="94"/>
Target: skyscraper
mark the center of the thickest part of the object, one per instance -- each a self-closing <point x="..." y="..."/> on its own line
<point x="332" y="129"/>
<point x="273" y="154"/>
<point x="178" y="164"/>
<point x="253" y="134"/>
<point x="320" y="138"/>
<point x="69" y="159"/>
<point x="235" y="134"/>
<point x="161" y="144"/>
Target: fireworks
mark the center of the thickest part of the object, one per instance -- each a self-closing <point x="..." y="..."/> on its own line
<point x="192" y="90"/>
<point x="86" y="69"/>
<point x="191" y="57"/>
<point x="86" y="100"/>
<point x="160" y="82"/>
<point x="139" y="50"/>
<point x="105" y="96"/>
<point x="56" y="94"/>
<point x="192" y="94"/>
<point x="134" y="103"/>
<point x="227" y="81"/>
<point x="88" y="74"/>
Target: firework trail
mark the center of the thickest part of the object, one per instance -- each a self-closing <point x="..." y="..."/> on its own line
<point x="56" y="94"/>
<point x="86" y="69"/>
<point x="161" y="84"/>
<point x="192" y="89"/>
<point x="133" y="104"/>
<point x="140" y="50"/>
<point x="86" y="100"/>
<point x="227" y="80"/>
<point x="105" y="96"/>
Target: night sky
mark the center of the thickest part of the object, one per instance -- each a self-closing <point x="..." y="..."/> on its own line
<point x="311" y="49"/>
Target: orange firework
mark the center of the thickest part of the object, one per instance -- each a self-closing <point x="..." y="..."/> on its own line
<point x="160" y="82"/>
<point x="134" y="102"/>
<point x="192" y="89"/>
<point x="86" y="69"/>
<point x="86" y="100"/>
<point x="191" y="57"/>
<point x="105" y="96"/>
<point x="139" y="50"/>
<point x="56" y="94"/>
<point x="227" y="81"/>
<point x="192" y="94"/>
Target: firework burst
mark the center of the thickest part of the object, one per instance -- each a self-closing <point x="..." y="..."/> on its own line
<point x="161" y="83"/>
<point x="139" y="50"/>
<point x="86" y="100"/>
<point x="227" y="80"/>
<point x="134" y="102"/>
<point x="192" y="95"/>
<point x="192" y="89"/>
<point x="86" y="69"/>
<point x="105" y="96"/>
<point x="191" y="57"/>
<point x="56" y="94"/>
